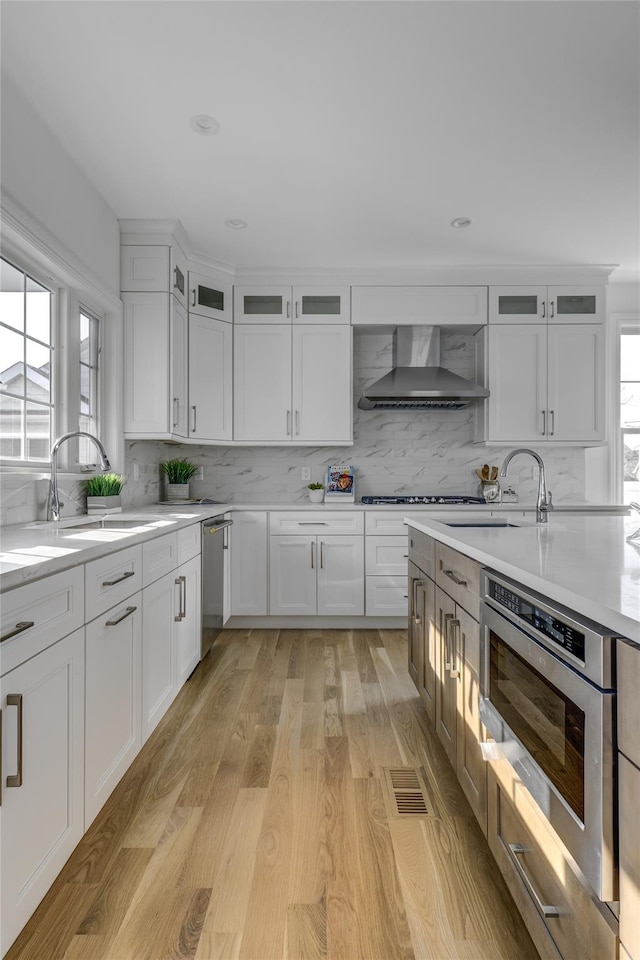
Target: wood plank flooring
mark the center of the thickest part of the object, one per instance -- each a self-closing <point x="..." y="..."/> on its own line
<point x="253" y="824"/>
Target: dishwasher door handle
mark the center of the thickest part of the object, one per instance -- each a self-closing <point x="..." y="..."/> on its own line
<point x="220" y="526"/>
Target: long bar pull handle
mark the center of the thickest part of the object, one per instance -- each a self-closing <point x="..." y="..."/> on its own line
<point x="194" y="298"/>
<point x="544" y="309"/>
<point x="15" y="700"/>
<point x="456" y="579"/>
<point x="297" y="309"/>
<point x="322" y="554"/>
<point x="312" y="523"/>
<point x="448" y="617"/>
<point x="297" y="422"/>
<point x="515" y="851"/>
<point x="454" y="671"/>
<point x="127" y="613"/>
<point x="195" y="413"/>
<point x="288" y="423"/>
<point x="19" y="628"/>
<point x="544" y="422"/>
<point x="552" y="309"/>
<point x="313" y="554"/>
<point x="176" y="411"/>
<point x="414" y="600"/>
<point x="125" y="576"/>
<point x="552" y="415"/>
<point x="179" y="581"/>
<point x="288" y="309"/>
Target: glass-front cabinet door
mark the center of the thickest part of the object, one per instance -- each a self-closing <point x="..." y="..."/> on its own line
<point x="576" y="304"/>
<point x="209" y="298"/>
<point x="517" y="304"/>
<point x="321" y="305"/>
<point x="268" y="304"/>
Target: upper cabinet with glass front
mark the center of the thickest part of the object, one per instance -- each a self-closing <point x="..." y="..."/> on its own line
<point x="284" y="304"/>
<point x="565" y="304"/>
<point x="210" y="298"/>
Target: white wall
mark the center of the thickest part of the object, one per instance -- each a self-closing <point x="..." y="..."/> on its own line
<point x="44" y="179"/>
<point x="394" y="451"/>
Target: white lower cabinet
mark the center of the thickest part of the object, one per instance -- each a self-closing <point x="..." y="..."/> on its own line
<point x="248" y="543"/>
<point x="311" y="575"/>
<point x="113" y="700"/>
<point x="187" y="621"/>
<point x="42" y="785"/>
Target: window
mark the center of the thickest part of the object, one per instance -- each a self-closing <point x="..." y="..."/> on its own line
<point x="26" y="352"/>
<point x="88" y="399"/>
<point x="630" y="412"/>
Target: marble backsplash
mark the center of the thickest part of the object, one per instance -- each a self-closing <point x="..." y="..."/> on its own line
<point x="393" y="452"/>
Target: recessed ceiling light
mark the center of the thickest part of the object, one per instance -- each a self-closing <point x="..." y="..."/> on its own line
<point x="461" y="222"/>
<point x="236" y="224"/>
<point x="204" y="124"/>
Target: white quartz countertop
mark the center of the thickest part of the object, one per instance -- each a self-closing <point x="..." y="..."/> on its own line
<point x="582" y="562"/>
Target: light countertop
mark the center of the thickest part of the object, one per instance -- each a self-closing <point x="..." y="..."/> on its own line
<point x="582" y="562"/>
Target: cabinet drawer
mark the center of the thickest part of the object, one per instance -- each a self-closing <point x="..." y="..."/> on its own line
<point x="422" y="552"/>
<point x="159" y="556"/>
<point x="54" y="606"/>
<point x="112" y="579"/>
<point x="312" y="522"/>
<point x="459" y="576"/>
<point x="385" y="523"/>
<point x="386" y="596"/>
<point x="538" y="873"/>
<point x="386" y="556"/>
<point x="628" y="670"/>
<point x="188" y="542"/>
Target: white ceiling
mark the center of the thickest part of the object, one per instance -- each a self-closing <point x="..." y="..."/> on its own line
<point x="351" y="133"/>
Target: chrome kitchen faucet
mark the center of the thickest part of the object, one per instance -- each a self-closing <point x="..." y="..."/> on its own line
<point x="54" y="506"/>
<point x="543" y="502"/>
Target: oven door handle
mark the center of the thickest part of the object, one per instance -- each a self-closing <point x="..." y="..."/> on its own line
<point x="515" y="851"/>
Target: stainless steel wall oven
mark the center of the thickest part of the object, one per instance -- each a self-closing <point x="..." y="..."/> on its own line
<point x="547" y="695"/>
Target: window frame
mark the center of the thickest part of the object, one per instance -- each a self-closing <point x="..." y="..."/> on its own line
<point x="73" y="289"/>
<point x="625" y="324"/>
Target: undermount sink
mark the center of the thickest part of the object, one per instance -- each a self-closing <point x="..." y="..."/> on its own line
<point x="106" y="524"/>
<point x="480" y="523"/>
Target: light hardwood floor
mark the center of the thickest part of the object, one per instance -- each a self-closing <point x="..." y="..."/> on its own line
<point x="253" y="824"/>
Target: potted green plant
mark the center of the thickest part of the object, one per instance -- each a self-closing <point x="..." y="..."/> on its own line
<point x="178" y="472"/>
<point x="316" y="492"/>
<point x="103" y="493"/>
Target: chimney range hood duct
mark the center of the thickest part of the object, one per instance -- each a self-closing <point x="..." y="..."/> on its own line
<point x="417" y="381"/>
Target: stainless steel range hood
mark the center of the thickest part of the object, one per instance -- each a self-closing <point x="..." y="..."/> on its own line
<point x="417" y="381"/>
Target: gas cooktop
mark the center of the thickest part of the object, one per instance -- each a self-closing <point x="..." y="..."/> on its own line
<point x="427" y="498"/>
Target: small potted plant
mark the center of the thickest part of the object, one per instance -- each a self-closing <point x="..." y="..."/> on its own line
<point x="316" y="492"/>
<point x="178" y="473"/>
<point x="103" y="493"/>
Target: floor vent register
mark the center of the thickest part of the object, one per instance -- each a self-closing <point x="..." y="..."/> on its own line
<point x="406" y="793"/>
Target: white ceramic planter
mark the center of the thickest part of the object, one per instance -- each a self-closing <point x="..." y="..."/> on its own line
<point x="177" y="491"/>
<point x="104" y="504"/>
<point x="316" y="496"/>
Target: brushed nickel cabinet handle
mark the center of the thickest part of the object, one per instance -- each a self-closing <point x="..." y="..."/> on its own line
<point x="454" y="672"/>
<point x="312" y="554"/>
<point x="552" y="422"/>
<point x="297" y="309"/>
<point x="456" y="579"/>
<point x="544" y="422"/>
<point x="176" y="411"/>
<point x="515" y="851"/>
<point x="312" y="523"/>
<point x="552" y="309"/>
<point x="297" y="422"/>
<point x="19" y="628"/>
<point x="288" y="309"/>
<point x="193" y="429"/>
<point x="194" y="299"/>
<point x="288" y="423"/>
<point x="544" y="309"/>
<point x="125" y="576"/>
<point x="417" y="615"/>
<point x="322" y="554"/>
<point x="127" y="613"/>
<point x="15" y="700"/>
<point x="448" y="617"/>
<point x="179" y="581"/>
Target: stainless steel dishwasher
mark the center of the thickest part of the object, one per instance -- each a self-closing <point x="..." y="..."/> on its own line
<point x="215" y="541"/>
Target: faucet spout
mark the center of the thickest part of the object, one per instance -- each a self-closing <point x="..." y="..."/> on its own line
<point x="54" y="504"/>
<point x="543" y="501"/>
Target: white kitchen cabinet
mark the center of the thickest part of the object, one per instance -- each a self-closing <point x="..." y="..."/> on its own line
<point x="546" y="382"/>
<point x="210" y="297"/>
<point x="248" y="549"/>
<point x="210" y="379"/>
<point x="386" y="596"/>
<point x="113" y="700"/>
<point x="284" y="304"/>
<point x="187" y="625"/>
<point x="42" y="783"/>
<point x="561" y="304"/>
<point x="160" y="604"/>
<point x="147" y="268"/>
<point x="155" y="366"/>
<point x="316" y="575"/>
<point x="292" y="383"/>
<point x="400" y="305"/>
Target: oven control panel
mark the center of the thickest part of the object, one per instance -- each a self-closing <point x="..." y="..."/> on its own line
<point x="563" y="634"/>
